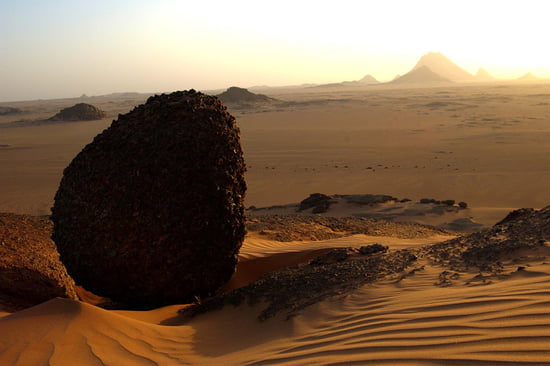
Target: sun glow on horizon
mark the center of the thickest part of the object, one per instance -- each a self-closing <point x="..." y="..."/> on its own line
<point x="63" y="48"/>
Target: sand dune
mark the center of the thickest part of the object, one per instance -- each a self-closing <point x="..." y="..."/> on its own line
<point x="406" y="321"/>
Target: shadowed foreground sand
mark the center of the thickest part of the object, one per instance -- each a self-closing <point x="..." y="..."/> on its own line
<point x="401" y="320"/>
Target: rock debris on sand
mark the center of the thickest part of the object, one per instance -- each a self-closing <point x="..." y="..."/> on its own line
<point x="343" y="270"/>
<point x="30" y="269"/>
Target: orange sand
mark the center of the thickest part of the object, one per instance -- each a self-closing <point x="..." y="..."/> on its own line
<point x="399" y="321"/>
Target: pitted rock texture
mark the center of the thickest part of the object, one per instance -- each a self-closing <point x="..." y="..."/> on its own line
<point x="30" y="269"/>
<point x="151" y="212"/>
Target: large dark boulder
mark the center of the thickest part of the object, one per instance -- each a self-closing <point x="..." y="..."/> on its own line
<point x="79" y="112"/>
<point x="30" y="269"/>
<point x="151" y="212"/>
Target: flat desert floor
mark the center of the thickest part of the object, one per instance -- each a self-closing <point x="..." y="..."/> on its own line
<point x="486" y="145"/>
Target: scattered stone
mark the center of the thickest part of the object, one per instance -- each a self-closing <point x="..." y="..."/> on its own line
<point x="428" y="200"/>
<point x="368" y="199"/>
<point x="30" y="269"/>
<point x="333" y="256"/>
<point x="151" y="212"/>
<point x="448" y="202"/>
<point x="463" y="205"/>
<point x="372" y="249"/>
<point x="79" y="112"/>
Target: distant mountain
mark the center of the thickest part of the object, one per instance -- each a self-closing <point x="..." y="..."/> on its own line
<point x="483" y="75"/>
<point x="236" y="95"/>
<point x="528" y="77"/>
<point x="421" y="75"/>
<point x="444" y="67"/>
<point x="368" y="79"/>
<point x="258" y="88"/>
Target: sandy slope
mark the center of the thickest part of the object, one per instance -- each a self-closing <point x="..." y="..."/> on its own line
<point x="406" y="321"/>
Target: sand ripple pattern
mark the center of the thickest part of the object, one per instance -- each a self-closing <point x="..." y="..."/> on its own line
<point x="506" y="323"/>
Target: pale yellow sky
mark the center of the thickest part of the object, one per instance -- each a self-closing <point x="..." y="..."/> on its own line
<point x="61" y="48"/>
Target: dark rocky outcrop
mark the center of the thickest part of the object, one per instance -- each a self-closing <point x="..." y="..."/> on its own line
<point x="523" y="229"/>
<point x="30" y="269"/>
<point x="236" y="95"/>
<point x="151" y="212"/>
<point x="318" y="201"/>
<point x="79" y="112"/>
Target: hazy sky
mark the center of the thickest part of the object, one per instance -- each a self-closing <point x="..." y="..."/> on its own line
<point x="59" y="48"/>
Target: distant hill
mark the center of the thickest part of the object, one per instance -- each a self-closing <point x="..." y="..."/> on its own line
<point x="444" y="67"/>
<point x="368" y="79"/>
<point x="528" y="77"/>
<point x="421" y="75"/>
<point x="79" y="112"/>
<point x="236" y="95"/>
<point x="483" y="75"/>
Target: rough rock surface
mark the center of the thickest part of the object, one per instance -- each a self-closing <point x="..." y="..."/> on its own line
<point x="151" y="212"/>
<point x="79" y="112"/>
<point x="30" y="269"/>
<point x="523" y="229"/>
<point x="318" y="201"/>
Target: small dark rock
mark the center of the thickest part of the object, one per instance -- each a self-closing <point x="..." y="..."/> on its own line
<point x="335" y="255"/>
<point x="372" y="249"/>
<point x="316" y="200"/>
<point x="463" y="205"/>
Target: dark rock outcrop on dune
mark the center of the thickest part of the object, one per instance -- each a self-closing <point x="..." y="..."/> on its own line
<point x="522" y="234"/>
<point x="236" y="95"/>
<point x="30" y="269"/>
<point x="294" y="288"/>
<point x="79" y="112"/>
<point x="151" y="212"/>
<point x="523" y="229"/>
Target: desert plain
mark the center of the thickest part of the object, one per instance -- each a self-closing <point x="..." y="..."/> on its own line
<point x="483" y="144"/>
